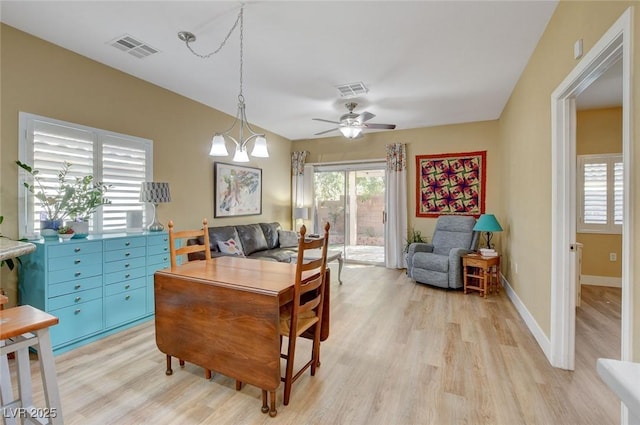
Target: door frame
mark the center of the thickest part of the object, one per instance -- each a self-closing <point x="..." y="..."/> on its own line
<point x="616" y="43"/>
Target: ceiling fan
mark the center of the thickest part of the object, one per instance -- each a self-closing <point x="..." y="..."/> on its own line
<point x="352" y="124"/>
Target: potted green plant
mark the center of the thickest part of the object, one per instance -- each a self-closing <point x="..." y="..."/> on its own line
<point x="87" y="196"/>
<point x="77" y="199"/>
<point x="55" y="202"/>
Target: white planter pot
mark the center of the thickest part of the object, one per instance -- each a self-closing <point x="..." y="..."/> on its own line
<point x="80" y="228"/>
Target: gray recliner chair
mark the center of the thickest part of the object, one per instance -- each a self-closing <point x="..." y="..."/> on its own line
<point x="439" y="263"/>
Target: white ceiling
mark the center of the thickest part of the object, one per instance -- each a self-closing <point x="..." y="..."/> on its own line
<point x="425" y="63"/>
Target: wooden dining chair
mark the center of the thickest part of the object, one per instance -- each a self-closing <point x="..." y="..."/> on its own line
<point x="182" y="237"/>
<point x="305" y="310"/>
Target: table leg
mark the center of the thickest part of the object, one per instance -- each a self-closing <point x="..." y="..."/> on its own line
<point x="49" y="379"/>
<point x="485" y="282"/>
<point x="265" y="405"/>
<point x="464" y="278"/>
<point x="340" y="261"/>
<point x="6" y="391"/>
<point x="272" y="411"/>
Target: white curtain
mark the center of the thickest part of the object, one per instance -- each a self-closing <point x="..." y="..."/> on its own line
<point x="297" y="182"/>
<point x="395" y="226"/>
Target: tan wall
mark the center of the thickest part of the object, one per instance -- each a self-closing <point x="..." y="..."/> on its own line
<point x="599" y="131"/>
<point x="466" y="137"/>
<point x="44" y="79"/>
<point x="525" y="147"/>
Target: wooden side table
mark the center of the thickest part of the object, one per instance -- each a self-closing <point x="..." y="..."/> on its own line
<point x="481" y="273"/>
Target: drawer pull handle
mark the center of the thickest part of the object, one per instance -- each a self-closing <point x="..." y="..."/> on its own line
<point x="166" y="249"/>
<point x="77" y="287"/>
<point x="76" y="274"/>
<point x="164" y="259"/>
<point x="165" y="239"/>
<point x="128" y="275"/>
<point x="127" y="265"/>
<point x="76" y="250"/>
<point x="127" y="286"/>
<point x="77" y="311"/>
<point x="127" y="254"/>
<point x="76" y="262"/>
<point x="128" y="297"/>
<point x="78" y="299"/>
<point x="127" y="244"/>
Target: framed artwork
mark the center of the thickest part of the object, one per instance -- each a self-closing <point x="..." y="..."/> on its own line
<point x="237" y="190"/>
<point x="452" y="183"/>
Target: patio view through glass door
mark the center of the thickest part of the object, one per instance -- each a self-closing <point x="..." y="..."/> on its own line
<point x="351" y="199"/>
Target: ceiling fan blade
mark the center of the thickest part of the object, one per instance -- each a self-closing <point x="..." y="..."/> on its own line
<point x="326" y="131"/>
<point x="365" y="116"/>
<point x="380" y="126"/>
<point x="320" y="119"/>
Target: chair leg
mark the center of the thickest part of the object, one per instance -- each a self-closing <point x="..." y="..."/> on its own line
<point x="169" y="371"/>
<point x="181" y="362"/>
<point x="288" y="377"/>
<point x="207" y="373"/>
<point x="315" y="353"/>
<point x="239" y="387"/>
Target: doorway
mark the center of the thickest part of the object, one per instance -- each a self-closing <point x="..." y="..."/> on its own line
<point x="351" y="198"/>
<point x="615" y="45"/>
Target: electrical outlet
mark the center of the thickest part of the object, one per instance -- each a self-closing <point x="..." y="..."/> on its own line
<point x="613" y="256"/>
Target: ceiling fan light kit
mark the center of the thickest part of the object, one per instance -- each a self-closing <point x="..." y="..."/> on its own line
<point x="218" y="143"/>
<point x="351" y="124"/>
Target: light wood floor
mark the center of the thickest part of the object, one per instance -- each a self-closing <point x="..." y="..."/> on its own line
<point x="398" y="353"/>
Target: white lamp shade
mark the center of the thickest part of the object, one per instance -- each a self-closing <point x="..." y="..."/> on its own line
<point x="350" y="132"/>
<point x="260" y="148"/>
<point x="240" y="155"/>
<point x="301" y="213"/>
<point x="218" y="147"/>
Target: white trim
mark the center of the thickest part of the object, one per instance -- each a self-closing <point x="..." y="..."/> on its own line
<point x="528" y="318"/>
<point x="609" y="281"/>
<point x="616" y="43"/>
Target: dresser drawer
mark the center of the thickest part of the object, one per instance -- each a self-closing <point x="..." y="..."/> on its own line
<point x="125" y="306"/>
<point x="76" y="260"/>
<point x="158" y="249"/>
<point x="74" y="299"/>
<point x="162" y="239"/>
<point x="76" y="321"/>
<point x="124" y="243"/>
<point x="123" y="254"/>
<point x="123" y="265"/>
<point x="158" y="261"/>
<point x="75" y="273"/>
<point x="125" y="275"/>
<point x="74" y="248"/>
<point x="74" y="286"/>
<point x="129" y="285"/>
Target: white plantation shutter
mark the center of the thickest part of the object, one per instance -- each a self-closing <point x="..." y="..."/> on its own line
<point x="600" y="193"/>
<point x="118" y="160"/>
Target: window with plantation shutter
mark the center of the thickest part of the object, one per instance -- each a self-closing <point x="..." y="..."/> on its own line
<point x="121" y="161"/>
<point x="600" y="189"/>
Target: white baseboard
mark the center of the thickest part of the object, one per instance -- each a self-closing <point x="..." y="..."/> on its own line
<point x="529" y="320"/>
<point x="613" y="282"/>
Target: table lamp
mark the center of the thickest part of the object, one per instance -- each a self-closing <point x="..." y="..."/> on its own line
<point x="301" y="213"/>
<point x="488" y="223"/>
<point x="155" y="193"/>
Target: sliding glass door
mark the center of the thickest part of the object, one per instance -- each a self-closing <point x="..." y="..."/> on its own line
<point x="351" y="198"/>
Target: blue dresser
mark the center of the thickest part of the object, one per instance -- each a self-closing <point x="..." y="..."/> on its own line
<point x="95" y="286"/>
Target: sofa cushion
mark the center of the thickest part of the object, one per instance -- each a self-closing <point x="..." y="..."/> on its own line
<point x="288" y="238"/>
<point x="230" y="247"/>
<point x="222" y="234"/>
<point x="281" y="255"/>
<point x="270" y="231"/>
<point x="252" y="238"/>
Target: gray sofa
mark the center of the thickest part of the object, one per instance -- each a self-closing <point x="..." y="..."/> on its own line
<point x="265" y="241"/>
<point x="439" y="263"/>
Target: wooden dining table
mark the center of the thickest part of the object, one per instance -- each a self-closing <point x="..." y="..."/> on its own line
<point x="223" y="315"/>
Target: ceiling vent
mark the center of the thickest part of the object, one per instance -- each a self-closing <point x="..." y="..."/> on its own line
<point x="134" y="47"/>
<point x="352" y="89"/>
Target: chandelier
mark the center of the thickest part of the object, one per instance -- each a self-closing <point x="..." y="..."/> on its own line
<point x="218" y="145"/>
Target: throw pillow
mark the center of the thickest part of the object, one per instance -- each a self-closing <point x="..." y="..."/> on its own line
<point x="230" y="247"/>
<point x="287" y="238"/>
